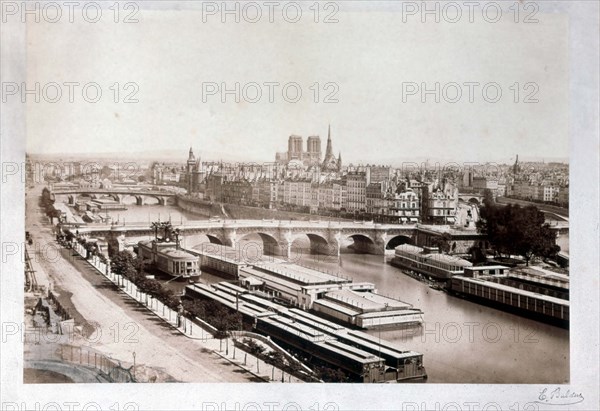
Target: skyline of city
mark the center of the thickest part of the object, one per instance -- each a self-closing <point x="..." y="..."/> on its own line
<point x="174" y="155"/>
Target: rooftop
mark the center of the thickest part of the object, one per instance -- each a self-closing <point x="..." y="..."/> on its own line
<point x="365" y="301"/>
<point x="515" y="290"/>
<point x="299" y="274"/>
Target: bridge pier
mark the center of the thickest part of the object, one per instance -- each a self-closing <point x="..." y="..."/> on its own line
<point x="364" y="247"/>
<point x="229" y="236"/>
<point x="282" y="250"/>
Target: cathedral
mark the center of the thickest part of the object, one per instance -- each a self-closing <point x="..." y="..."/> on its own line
<point x="312" y="156"/>
<point x="330" y="163"/>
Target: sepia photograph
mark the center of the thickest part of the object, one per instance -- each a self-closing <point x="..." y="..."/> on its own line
<point x="202" y="198"/>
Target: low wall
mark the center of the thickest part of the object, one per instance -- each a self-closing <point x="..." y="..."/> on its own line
<point x="255" y="213"/>
<point x="200" y="207"/>
<point x="459" y="243"/>
<point x="234" y="211"/>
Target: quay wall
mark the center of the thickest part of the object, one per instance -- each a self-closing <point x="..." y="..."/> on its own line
<point x="239" y="212"/>
<point x="200" y="207"/>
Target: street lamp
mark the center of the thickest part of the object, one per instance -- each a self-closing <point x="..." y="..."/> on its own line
<point x="134" y="365"/>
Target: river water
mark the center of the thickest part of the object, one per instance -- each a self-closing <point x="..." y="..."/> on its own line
<point x="462" y="342"/>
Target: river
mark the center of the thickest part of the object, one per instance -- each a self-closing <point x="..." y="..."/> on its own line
<point x="462" y="342"/>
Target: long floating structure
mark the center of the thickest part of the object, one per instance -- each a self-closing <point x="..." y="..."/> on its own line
<point x="541" y="297"/>
<point x="333" y="296"/>
<point x="428" y="261"/>
<point x="365" y="358"/>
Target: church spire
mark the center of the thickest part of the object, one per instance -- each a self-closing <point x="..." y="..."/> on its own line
<point x="329" y="150"/>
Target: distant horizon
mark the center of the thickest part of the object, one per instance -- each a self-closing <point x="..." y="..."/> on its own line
<point x="172" y="155"/>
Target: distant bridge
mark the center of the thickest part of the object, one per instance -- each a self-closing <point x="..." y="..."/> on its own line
<point x="277" y="236"/>
<point x="473" y="198"/>
<point x="559" y="217"/>
<point x="117" y="194"/>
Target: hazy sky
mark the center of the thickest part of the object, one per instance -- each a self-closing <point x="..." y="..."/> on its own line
<point x="369" y="54"/>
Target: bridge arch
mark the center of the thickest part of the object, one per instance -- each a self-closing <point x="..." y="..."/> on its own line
<point x="362" y="243"/>
<point x="196" y="241"/>
<point x="108" y="196"/>
<point x="146" y="199"/>
<point x="397" y="240"/>
<point x="317" y="244"/>
<point x="129" y="199"/>
<point x="555" y="215"/>
<point x="270" y="244"/>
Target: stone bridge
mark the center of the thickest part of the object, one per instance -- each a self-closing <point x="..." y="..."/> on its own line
<point x="473" y="198"/>
<point x="277" y="236"/>
<point x="117" y="194"/>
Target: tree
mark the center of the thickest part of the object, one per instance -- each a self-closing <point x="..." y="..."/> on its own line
<point x="53" y="213"/>
<point x="253" y="347"/>
<point x="477" y="255"/>
<point x="90" y="249"/>
<point x="442" y="242"/>
<point x="329" y="374"/>
<point x="122" y="263"/>
<point x="513" y="229"/>
<point x="113" y="247"/>
<point x="46" y="198"/>
<point x="69" y="237"/>
<point x="149" y="286"/>
<point x="488" y="197"/>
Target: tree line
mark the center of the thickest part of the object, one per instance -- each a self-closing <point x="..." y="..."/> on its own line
<point x="47" y="203"/>
<point x="515" y="230"/>
<point x="131" y="267"/>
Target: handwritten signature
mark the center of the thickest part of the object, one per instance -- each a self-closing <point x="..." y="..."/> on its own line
<point x="559" y="396"/>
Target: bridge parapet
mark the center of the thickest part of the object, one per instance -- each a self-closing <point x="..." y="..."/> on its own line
<point x="326" y="237"/>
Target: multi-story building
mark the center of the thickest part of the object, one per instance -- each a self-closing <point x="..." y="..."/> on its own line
<point x="237" y="192"/>
<point x="340" y="195"/>
<point x="297" y="192"/>
<point x="325" y="195"/>
<point x="439" y="204"/>
<point x="375" y="199"/>
<point x="357" y="191"/>
<point x="378" y="174"/>
<point x="267" y="196"/>
<point x="405" y="206"/>
<point x="214" y="187"/>
<point x="549" y="193"/>
<point x="525" y="190"/>
<point x="563" y="196"/>
<point x="485" y="183"/>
